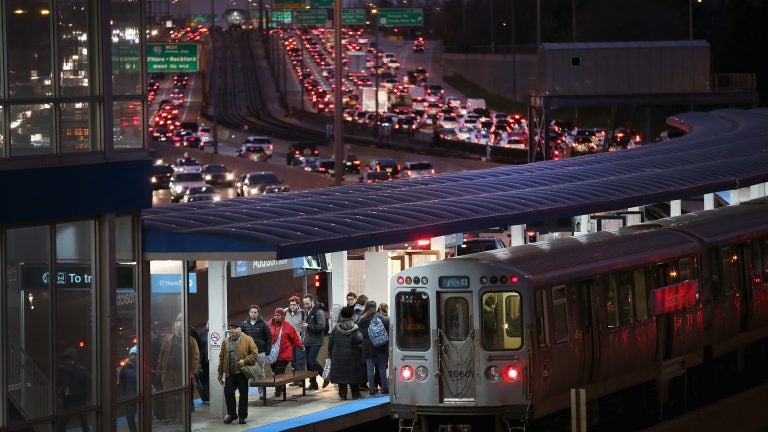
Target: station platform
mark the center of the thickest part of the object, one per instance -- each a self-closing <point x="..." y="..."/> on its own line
<point x="298" y="413"/>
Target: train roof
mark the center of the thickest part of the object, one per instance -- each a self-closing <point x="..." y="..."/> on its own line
<point x="644" y="243"/>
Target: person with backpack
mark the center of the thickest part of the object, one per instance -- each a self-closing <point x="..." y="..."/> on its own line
<point x="375" y="329"/>
<point x="295" y="315"/>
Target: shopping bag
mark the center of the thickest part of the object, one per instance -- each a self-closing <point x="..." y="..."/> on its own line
<point x="253" y="371"/>
<point x="327" y="370"/>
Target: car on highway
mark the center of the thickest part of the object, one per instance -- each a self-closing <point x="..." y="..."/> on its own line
<point x="352" y="164"/>
<point x="187" y="164"/>
<point x="270" y="189"/>
<point x="374" y="177"/>
<point x="254" y="183"/>
<point x="260" y="140"/>
<point x="254" y="152"/>
<point x="387" y="165"/>
<point x="324" y="166"/>
<point x="194" y="141"/>
<point x="413" y="169"/>
<point x="218" y="175"/>
<point x="300" y="148"/>
<point x="181" y="181"/>
<point x="161" y="176"/>
<point x="200" y="193"/>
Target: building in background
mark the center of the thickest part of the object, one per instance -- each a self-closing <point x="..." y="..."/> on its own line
<point x="75" y="172"/>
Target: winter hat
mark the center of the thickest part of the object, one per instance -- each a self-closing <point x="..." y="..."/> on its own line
<point x="280" y="311"/>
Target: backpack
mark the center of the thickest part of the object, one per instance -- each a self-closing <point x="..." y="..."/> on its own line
<point x="378" y="333"/>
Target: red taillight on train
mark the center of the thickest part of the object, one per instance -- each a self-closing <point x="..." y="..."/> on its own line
<point x="406" y="373"/>
<point x="510" y="374"/>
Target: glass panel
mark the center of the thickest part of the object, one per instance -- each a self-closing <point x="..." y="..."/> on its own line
<point x="126" y="65"/>
<point x="31" y="127"/>
<point x="28" y="340"/>
<point x="128" y="419"/>
<point x="168" y="413"/>
<point x="73" y="59"/>
<point x="126" y="322"/>
<point x="611" y="307"/>
<point x="2" y="127"/>
<point x="641" y="295"/>
<point x="560" y="314"/>
<point x="75" y="127"/>
<point x="28" y="56"/>
<point x="541" y="319"/>
<point x="502" y="321"/>
<point x="627" y="312"/>
<point x="74" y="282"/>
<point x="729" y="260"/>
<point x="412" y="309"/>
<point x="77" y="422"/>
<point x="127" y="129"/>
<point x="456" y="318"/>
<point x="167" y="306"/>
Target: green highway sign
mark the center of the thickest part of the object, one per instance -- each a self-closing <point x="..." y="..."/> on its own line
<point x="310" y="16"/>
<point x="324" y="3"/>
<point x="282" y="16"/>
<point x="353" y="17"/>
<point x="399" y="17"/>
<point x="125" y="58"/>
<point x="178" y="57"/>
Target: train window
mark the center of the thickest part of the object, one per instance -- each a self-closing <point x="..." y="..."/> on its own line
<point x="623" y="280"/>
<point x="758" y="263"/>
<point x="456" y="322"/>
<point x="502" y="321"/>
<point x="611" y="309"/>
<point x="729" y="265"/>
<point x="542" y="331"/>
<point x="560" y="314"/>
<point x="412" y="320"/>
<point x="641" y="294"/>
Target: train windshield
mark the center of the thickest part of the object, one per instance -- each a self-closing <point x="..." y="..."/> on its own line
<point x="412" y="320"/>
<point x="502" y="321"/>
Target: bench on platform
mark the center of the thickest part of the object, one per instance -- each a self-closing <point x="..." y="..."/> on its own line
<point x="271" y="380"/>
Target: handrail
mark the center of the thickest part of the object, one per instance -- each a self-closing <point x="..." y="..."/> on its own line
<point x="29" y="387"/>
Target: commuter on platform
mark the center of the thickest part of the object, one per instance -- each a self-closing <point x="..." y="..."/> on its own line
<point x="344" y="351"/>
<point x="236" y="351"/>
<point x="362" y="300"/>
<point x="351" y="299"/>
<point x="204" y="365"/>
<point x="257" y="328"/>
<point x="128" y="379"/>
<point x="295" y="315"/>
<point x="375" y="358"/>
<point x="314" y="336"/>
<point x="288" y="341"/>
<point x="74" y="383"/>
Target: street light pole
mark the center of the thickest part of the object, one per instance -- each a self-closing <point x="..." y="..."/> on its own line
<point x="213" y="87"/>
<point x="375" y="13"/>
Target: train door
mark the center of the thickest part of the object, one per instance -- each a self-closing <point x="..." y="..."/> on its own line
<point x="584" y="323"/>
<point x="456" y="338"/>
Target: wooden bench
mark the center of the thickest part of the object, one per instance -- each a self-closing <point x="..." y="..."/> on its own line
<point x="271" y="380"/>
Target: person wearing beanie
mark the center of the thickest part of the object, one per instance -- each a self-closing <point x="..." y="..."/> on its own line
<point x="346" y="357"/>
<point x="288" y="339"/>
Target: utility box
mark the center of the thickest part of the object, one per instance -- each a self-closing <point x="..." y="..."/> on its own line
<point x="624" y="68"/>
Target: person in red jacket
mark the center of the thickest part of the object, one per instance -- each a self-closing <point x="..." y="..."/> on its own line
<point x="289" y="339"/>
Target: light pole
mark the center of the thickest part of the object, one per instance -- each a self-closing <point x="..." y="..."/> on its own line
<point x="690" y="18"/>
<point x="212" y="88"/>
<point x="375" y="13"/>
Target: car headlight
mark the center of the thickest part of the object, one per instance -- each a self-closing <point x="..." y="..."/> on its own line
<point x="154" y="180"/>
<point x="208" y="177"/>
<point x="178" y="188"/>
<point x="230" y="176"/>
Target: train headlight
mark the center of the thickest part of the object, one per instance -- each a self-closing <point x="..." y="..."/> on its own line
<point x="422" y="373"/>
<point x="406" y="373"/>
<point x="511" y="374"/>
<point x="493" y="373"/>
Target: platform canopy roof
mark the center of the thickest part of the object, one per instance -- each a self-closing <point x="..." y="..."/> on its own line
<point x="724" y="150"/>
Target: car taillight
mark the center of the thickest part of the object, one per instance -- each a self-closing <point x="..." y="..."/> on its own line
<point x="406" y="373"/>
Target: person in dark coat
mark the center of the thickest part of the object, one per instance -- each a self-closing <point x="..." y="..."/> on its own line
<point x="346" y="358"/>
<point x="129" y="379"/>
<point x="74" y="384"/>
<point x="375" y="357"/>
<point x="257" y="328"/>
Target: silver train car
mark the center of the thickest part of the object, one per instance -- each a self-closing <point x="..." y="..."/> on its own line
<point x="651" y="320"/>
